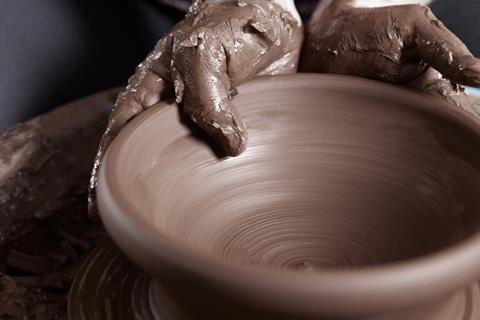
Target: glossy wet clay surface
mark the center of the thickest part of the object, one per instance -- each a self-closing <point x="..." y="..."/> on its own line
<point x="337" y="174"/>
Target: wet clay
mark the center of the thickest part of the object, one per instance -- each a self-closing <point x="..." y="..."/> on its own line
<point x="35" y="157"/>
<point x="45" y="166"/>
<point x="397" y="44"/>
<point x="200" y="62"/>
<point x="358" y="165"/>
<point x="341" y="174"/>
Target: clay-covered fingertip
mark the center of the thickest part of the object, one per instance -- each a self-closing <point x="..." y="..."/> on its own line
<point x="233" y="144"/>
<point x="231" y="139"/>
<point x="235" y="150"/>
<point x="229" y="132"/>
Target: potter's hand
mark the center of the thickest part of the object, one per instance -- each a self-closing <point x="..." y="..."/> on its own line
<point x="397" y="44"/>
<point x="201" y="61"/>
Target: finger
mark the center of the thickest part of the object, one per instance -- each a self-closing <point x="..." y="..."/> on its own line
<point x="444" y="51"/>
<point x="148" y="86"/>
<point x="202" y="83"/>
<point x="434" y="84"/>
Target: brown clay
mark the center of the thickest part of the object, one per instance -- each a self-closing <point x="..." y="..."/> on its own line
<point x="45" y="166"/>
<point x="354" y="200"/>
<point x="35" y="158"/>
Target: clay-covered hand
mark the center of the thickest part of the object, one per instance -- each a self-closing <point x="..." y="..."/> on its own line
<point x="200" y="62"/>
<point x="403" y="44"/>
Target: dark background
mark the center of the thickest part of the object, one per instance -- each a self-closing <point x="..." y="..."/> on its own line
<point x="54" y="51"/>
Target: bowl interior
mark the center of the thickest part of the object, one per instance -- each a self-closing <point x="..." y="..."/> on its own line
<point x="339" y="173"/>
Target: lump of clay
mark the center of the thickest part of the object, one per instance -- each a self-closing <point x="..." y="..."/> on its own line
<point x="45" y="164"/>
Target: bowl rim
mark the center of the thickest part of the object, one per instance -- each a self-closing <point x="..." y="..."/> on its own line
<point x="350" y="291"/>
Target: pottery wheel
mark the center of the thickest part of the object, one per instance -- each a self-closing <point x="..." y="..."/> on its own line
<point x="109" y="287"/>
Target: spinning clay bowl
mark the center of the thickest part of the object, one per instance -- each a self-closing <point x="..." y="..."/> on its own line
<point x="353" y="200"/>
